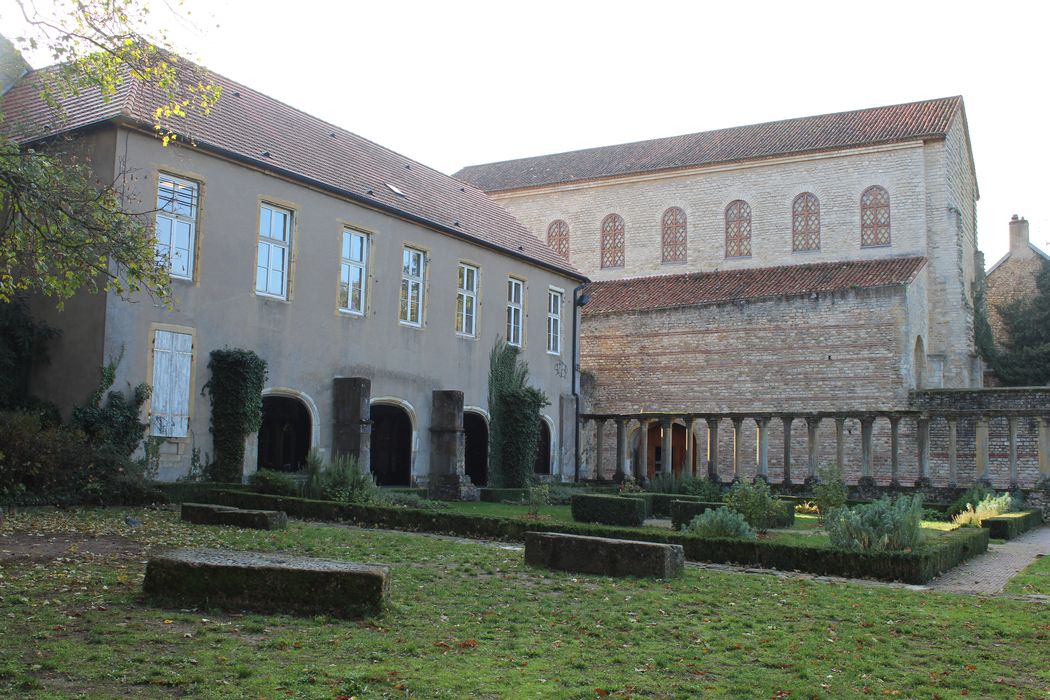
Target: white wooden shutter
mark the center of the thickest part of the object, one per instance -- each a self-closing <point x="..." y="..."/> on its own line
<point x="170" y="404"/>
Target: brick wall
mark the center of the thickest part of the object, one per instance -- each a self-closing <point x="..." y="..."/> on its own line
<point x="1013" y="279"/>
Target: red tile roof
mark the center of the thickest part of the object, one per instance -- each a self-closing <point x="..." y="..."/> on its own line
<point x="245" y="124"/>
<point x="700" y="288"/>
<point x="925" y="120"/>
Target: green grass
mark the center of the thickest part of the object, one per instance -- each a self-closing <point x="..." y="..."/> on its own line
<point x="1033" y="580"/>
<point x="470" y="620"/>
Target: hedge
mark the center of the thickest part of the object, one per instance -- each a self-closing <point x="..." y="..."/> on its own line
<point x="195" y="491"/>
<point x="917" y="567"/>
<point x="646" y="498"/>
<point x="683" y="512"/>
<point x="608" y="510"/>
<point x="1010" y="525"/>
<point x="499" y="495"/>
<point x="658" y="505"/>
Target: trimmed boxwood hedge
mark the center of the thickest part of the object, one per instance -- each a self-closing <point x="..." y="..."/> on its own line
<point x="608" y="510"/>
<point x="658" y="505"/>
<point x="1010" y="525"/>
<point x="499" y="495"/>
<point x="646" y="498"/>
<point x="683" y="512"/>
<point x="919" y="566"/>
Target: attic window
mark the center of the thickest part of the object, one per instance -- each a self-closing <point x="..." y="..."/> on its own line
<point x="395" y="190"/>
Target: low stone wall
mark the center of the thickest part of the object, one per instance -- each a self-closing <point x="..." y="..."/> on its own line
<point x="210" y="514"/>
<point x="266" y="582"/>
<point x="602" y="556"/>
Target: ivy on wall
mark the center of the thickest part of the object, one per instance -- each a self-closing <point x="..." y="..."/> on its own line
<point x="236" y="384"/>
<point x="514" y="427"/>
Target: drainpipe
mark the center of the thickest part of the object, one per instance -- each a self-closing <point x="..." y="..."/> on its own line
<point x="578" y="301"/>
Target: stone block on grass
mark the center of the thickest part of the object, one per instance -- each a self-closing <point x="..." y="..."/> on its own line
<point x="210" y="514"/>
<point x="266" y="582"/>
<point x="603" y="556"/>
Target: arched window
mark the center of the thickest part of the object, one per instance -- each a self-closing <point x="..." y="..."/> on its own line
<point x="674" y="235"/>
<point x="558" y="238"/>
<point x="612" y="241"/>
<point x="738" y="229"/>
<point x="875" y="216"/>
<point x="805" y="222"/>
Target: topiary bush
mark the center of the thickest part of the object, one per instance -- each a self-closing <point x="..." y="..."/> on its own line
<point x="236" y="384"/>
<point x="882" y="526"/>
<point x="720" y="522"/>
<point x="274" y="483"/>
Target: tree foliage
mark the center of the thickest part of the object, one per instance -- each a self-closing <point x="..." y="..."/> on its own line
<point x="1025" y="359"/>
<point x="22" y="342"/>
<point x="514" y="426"/>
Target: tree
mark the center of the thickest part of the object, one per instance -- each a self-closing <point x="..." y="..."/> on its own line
<point x="60" y="231"/>
<point x="1025" y="359"/>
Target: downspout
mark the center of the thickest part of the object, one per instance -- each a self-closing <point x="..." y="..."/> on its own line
<point x="577" y="302"/>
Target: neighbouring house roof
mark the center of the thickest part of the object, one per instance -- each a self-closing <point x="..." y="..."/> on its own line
<point x="1037" y="249"/>
<point x="701" y="288"/>
<point x="251" y="127"/>
<point x="926" y="120"/>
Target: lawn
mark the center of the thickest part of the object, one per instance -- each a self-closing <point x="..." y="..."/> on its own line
<point x="470" y="620"/>
<point x="1034" y="579"/>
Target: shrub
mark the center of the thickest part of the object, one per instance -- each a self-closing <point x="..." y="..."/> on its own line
<point x="274" y="483"/>
<point x="973" y="496"/>
<point x="830" y="491"/>
<point x="807" y="508"/>
<point x="609" y="510"/>
<point x="344" y="482"/>
<point x="885" y="525"/>
<point x="514" y="426"/>
<point x="757" y="504"/>
<point x="539" y="495"/>
<point x="39" y="463"/>
<point x="491" y="495"/>
<point x="683" y="512"/>
<point x="783" y="514"/>
<point x="989" y="507"/>
<point x="720" y="522"/>
<point x="409" y="500"/>
<point x="629" y="485"/>
<point x="705" y="489"/>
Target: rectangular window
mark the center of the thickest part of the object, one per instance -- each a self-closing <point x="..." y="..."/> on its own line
<point x="275" y="232"/>
<point x="176" y="232"/>
<point x="170" y="400"/>
<point x="554" y="322"/>
<point x="353" y="271"/>
<point x="467" y="300"/>
<point x="514" y="305"/>
<point x="412" y="269"/>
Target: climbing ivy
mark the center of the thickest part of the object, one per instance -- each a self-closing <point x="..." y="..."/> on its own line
<point x="236" y="384"/>
<point x="110" y="419"/>
<point x="514" y="426"/>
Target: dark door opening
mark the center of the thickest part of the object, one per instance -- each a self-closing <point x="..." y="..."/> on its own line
<point x="543" y="450"/>
<point x="284" y="437"/>
<point x="655" y="461"/>
<point x="391" y="446"/>
<point x="476" y="448"/>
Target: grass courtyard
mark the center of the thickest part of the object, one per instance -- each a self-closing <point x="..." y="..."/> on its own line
<point x="469" y="619"/>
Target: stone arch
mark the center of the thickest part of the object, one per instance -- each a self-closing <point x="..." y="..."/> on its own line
<point x="394" y="440"/>
<point x="476" y="444"/>
<point x="545" y="461"/>
<point x="918" y="364"/>
<point x="290" y="429"/>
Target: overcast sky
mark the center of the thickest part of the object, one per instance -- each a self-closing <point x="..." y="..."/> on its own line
<point x="456" y="83"/>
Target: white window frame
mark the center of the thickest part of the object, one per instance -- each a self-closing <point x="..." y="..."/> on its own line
<point x="555" y="298"/>
<point x="269" y="244"/>
<point x="174" y="216"/>
<point x="467" y="296"/>
<point x="172" y="370"/>
<point x="347" y="264"/>
<point x="413" y="285"/>
<point x="515" y="312"/>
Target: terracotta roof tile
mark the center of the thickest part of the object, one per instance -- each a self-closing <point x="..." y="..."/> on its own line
<point x="246" y="124"/>
<point x="929" y="119"/>
<point x="700" y="288"/>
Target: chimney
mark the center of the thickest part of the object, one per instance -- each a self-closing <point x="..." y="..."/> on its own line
<point x="1018" y="234"/>
<point x="12" y="65"/>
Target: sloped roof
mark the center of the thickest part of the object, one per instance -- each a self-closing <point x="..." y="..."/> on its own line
<point x="700" y="288"/>
<point x="927" y="120"/>
<point x="1039" y="251"/>
<point x="252" y="127"/>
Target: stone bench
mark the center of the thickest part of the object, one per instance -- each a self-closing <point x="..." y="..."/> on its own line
<point x="603" y="556"/>
<point x="209" y="514"/>
<point x="266" y="582"/>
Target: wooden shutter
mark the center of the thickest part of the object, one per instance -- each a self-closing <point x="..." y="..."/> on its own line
<point x="170" y="404"/>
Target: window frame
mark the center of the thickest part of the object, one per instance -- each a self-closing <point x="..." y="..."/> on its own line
<point x="558" y="237"/>
<point x="810" y="203"/>
<point x="740" y="207"/>
<point x="875" y="226"/>
<point x="175" y="218"/>
<point x="554" y="319"/>
<point x="613" y="242"/>
<point x="274" y="243"/>
<point x="669" y="231"/>
<point x="349" y="264"/>
<point x="467" y="294"/>
<point x="519" y="307"/>
<point x="404" y="304"/>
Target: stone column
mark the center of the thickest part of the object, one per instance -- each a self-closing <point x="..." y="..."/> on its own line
<point x="738" y="465"/>
<point x="641" y="466"/>
<point x="812" y="423"/>
<point x="840" y="444"/>
<point x="689" y="448"/>
<point x="1011" y="432"/>
<point x="895" y="452"/>
<point x="762" y="422"/>
<point x="1044" y="448"/>
<point x="621" y="450"/>
<point x="352" y="424"/>
<point x="712" y="449"/>
<point x="984" y="462"/>
<point x="599" y="446"/>
<point x="787" y="421"/>
<point x="953" y="452"/>
<point x="666" y="449"/>
<point x="922" y="440"/>
<point x="448" y="480"/>
<point x="867" y="425"/>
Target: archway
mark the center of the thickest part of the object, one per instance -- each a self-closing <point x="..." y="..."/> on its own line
<point x="919" y="363"/>
<point x="285" y="436"/>
<point x="391" y="445"/>
<point x="543" y="449"/>
<point x="476" y="447"/>
<point x="655" y="459"/>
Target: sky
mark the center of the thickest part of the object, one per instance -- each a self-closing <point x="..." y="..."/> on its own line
<point x="451" y="84"/>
